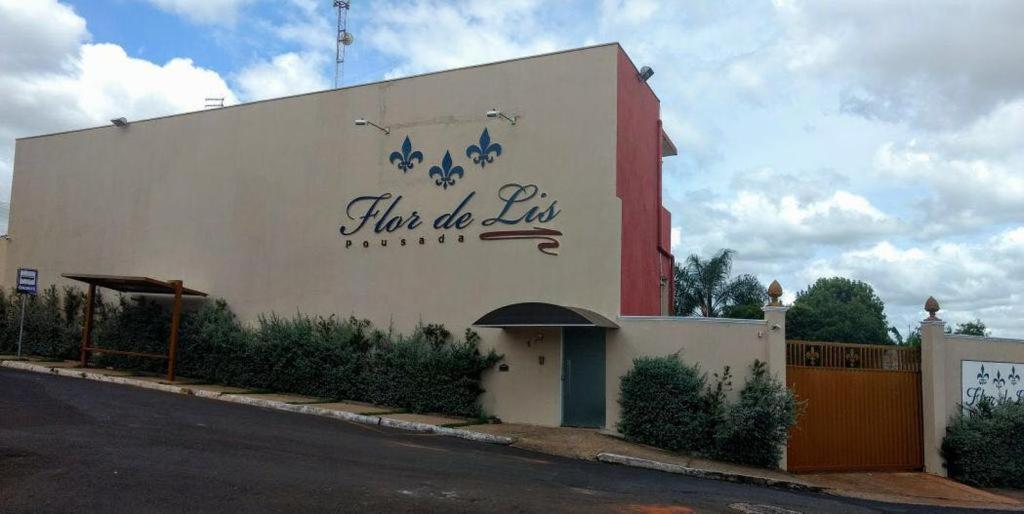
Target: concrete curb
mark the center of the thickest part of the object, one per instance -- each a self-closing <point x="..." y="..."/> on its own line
<point x="612" y="458"/>
<point x="310" y="409"/>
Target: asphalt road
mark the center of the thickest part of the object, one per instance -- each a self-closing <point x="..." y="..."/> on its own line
<point x="75" y="445"/>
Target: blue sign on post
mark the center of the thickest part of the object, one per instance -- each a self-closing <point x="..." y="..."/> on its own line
<point x="28" y="280"/>
<point x="28" y="283"/>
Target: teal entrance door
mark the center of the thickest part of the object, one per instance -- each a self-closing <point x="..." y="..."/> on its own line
<point x="583" y="377"/>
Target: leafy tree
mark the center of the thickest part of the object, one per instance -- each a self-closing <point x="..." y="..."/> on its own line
<point x="840" y="310"/>
<point x="914" y="339"/>
<point x="895" y="335"/>
<point x="704" y="288"/>
<point x="971" y="328"/>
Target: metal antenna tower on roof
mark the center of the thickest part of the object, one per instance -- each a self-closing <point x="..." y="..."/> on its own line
<point x="344" y="38"/>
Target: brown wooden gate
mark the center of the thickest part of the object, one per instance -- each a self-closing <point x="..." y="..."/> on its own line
<point x="862" y="407"/>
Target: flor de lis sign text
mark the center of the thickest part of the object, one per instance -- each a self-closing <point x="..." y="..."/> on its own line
<point x="995" y="380"/>
<point x="516" y="211"/>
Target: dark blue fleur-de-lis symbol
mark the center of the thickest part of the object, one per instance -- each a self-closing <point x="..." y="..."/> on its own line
<point x="982" y="376"/>
<point x="999" y="381"/>
<point x="406" y="157"/>
<point x="1013" y="376"/>
<point x="446" y="172"/>
<point x="484" y="150"/>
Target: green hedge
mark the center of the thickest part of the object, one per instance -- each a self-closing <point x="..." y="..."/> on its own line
<point x="756" y="427"/>
<point x="669" y="404"/>
<point x="53" y="322"/>
<point x="428" y="371"/>
<point x="985" y="447"/>
<point x="663" y="404"/>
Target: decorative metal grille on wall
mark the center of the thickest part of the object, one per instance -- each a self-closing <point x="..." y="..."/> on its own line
<point x="852" y="356"/>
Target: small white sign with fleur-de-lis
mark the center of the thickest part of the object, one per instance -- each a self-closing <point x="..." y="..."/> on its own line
<point x="995" y="380"/>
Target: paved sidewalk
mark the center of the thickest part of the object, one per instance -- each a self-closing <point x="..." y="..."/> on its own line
<point x="586" y="443"/>
<point x="913" y="488"/>
<point x="917" y="488"/>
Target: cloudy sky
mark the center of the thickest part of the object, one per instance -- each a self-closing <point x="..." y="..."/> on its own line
<point x="879" y="140"/>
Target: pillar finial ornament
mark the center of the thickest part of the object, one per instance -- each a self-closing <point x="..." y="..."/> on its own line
<point x="932" y="306"/>
<point x="775" y="292"/>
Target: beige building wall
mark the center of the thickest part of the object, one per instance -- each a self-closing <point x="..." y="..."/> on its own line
<point x="530" y="391"/>
<point x="246" y="202"/>
<point x="969" y="348"/>
<point x="941" y="378"/>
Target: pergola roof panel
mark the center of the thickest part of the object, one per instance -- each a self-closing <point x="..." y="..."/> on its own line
<point x="129" y="284"/>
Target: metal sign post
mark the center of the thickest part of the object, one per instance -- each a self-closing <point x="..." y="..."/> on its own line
<point x="28" y="280"/>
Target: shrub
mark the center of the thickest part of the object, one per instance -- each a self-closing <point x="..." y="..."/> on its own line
<point x="134" y="324"/>
<point x="52" y="322"/>
<point x="755" y="428"/>
<point x="984" y="447"/>
<point x="663" y="404"/>
<point x="430" y="372"/>
<point x="716" y="401"/>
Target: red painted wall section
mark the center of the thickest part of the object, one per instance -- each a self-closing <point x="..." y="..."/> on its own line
<point x="645" y="224"/>
<point x="665" y="231"/>
<point x="668" y="261"/>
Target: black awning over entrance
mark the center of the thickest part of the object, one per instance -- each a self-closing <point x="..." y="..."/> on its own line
<point x="537" y="314"/>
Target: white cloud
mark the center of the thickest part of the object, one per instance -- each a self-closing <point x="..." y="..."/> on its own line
<point x="285" y="74"/>
<point x="934" y="64"/>
<point x="971" y="280"/>
<point x="38" y="35"/>
<point x="92" y="84"/>
<point x="428" y="35"/>
<point x="773" y="217"/>
<point x="970" y="179"/>
<point x="108" y="83"/>
<point x="632" y="12"/>
<point x="211" y="12"/>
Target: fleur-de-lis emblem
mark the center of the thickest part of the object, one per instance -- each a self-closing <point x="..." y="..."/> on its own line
<point x="982" y="376"/>
<point x="1013" y="376"/>
<point x="999" y="381"/>
<point x="484" y="150"/>
<point x="811" y="356"/>
<point x="446" y="172"/>
<point x="406" y="157"/>
<point x="852" y="358"/>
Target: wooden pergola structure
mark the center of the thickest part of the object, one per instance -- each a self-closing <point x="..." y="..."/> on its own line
<point x="137" y="285"/>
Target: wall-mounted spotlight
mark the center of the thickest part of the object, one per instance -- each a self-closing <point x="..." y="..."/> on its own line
<point x="495" y="113"/>
<point x="120" y="122"/>
<point x="645" y="73"/>
<point x="362" y="122"/>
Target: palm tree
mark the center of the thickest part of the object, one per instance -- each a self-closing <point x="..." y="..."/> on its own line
<point x="704" y="288"/>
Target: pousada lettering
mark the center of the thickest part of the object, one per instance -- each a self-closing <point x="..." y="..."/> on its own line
<point x="385" y="214"/>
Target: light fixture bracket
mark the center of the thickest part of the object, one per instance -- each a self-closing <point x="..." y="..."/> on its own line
<point x="360" y="122"/>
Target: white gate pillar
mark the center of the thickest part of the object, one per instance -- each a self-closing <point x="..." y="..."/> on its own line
<point x="775" y="338"/>
<point x="934" y="408"/>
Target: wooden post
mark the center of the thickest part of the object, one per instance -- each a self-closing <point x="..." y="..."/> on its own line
<point x="87" y="329"/>
<point x="175" y="322"/>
